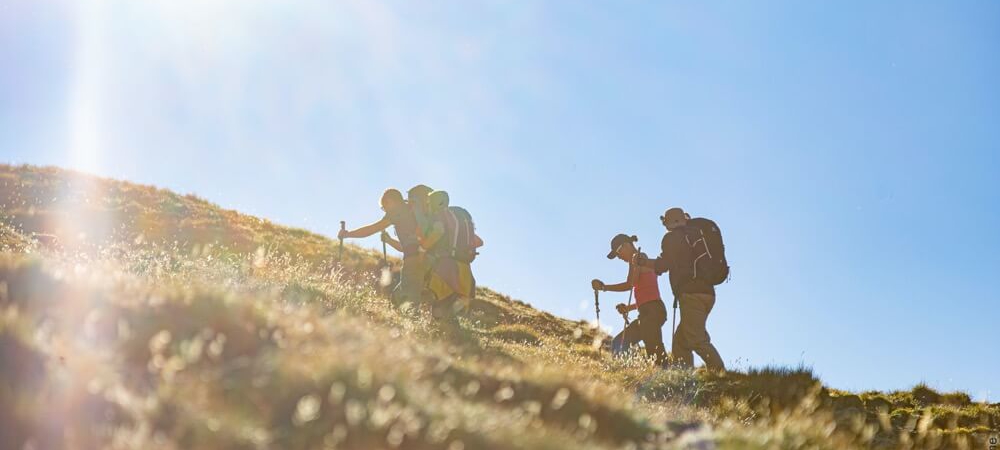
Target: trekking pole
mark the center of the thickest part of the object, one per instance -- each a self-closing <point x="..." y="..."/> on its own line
<point x="597" y="309"/>
<point x="340" y="253"/>
<point x="673" y="328"/>
<point x="625" y="314"/>
<point x="631" y="265"/>
<point x="385" y="258"/>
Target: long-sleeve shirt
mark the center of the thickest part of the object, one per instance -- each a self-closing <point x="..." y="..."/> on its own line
<point x="676" y="257"/>
<point x="405" y="223"/>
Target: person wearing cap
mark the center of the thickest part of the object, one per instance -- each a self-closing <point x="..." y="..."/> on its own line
<point x="695" y="297"/>
<point x="642" y="281"/>
<point x="401" y="217"/>
<point x="449" y="280"/>
<point x="434" y="204"/>
<point x="417" y="198"/>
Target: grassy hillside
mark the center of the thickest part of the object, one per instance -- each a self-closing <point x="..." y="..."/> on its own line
<point x="132" y="317"/>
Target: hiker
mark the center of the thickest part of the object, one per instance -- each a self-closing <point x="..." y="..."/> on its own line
<point x="642" y="281"/>
<point x="450" y="276"/>
<point x="417" y="198"/>
<point x="400" y="216"/>
<point x="693" y="276"/>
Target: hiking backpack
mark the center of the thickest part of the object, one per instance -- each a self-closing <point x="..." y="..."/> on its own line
<point x="463" y="239"/>
<point x="707" y="250"/>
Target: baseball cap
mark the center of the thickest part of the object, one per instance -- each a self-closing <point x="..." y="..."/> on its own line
<point x="617" y="242"/>
<point x="419" y="191"/>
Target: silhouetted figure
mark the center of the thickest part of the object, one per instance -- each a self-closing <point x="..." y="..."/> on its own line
<point x="400" y="216"/>
<point x="642" y="281"/>
<point x="681" y="248"/>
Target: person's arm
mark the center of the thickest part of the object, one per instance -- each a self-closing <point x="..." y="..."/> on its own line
<point x="623" y="286"/>
<point x="633" y="278"/>
<point x="437" y="232"/>
<point x="661" y="264"/>
<point x="644" y="261"/>
<point x="367" y="230"/>
<point x="620" y="287"/>
<point x="623" y="308"/>
<point x="391" y="242"/>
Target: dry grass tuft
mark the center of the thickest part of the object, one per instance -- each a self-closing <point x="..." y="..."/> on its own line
<point x="516" y="333"/>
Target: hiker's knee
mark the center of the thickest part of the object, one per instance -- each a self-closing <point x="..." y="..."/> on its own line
<point x="679" y="343"/>
<point x="653" y="335"/>
<point x="693" y="336"/>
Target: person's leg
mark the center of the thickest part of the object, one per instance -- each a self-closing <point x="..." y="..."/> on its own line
<point x="427" y="264"/>
<point x="466" y="285"/>
<point x="438" y="286"/>
<point x="411" y="281"/>
<point x="397" y="296"/>
<point x="631" y="335"/>
<point x="443" y="310"/>
<point x="694" y="315"/>
<point x="680" y="349"/>
<point x="651" y="319"/>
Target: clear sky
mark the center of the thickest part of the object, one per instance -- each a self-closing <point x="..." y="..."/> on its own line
<point x="848" y="149"/>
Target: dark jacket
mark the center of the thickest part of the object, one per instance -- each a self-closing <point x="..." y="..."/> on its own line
<point x="676" y="257"/>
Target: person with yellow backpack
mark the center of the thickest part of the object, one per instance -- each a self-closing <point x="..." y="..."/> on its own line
<point x="448" y="245"/>
<point x="417" y="197"/>
<point x="453" y="246"/>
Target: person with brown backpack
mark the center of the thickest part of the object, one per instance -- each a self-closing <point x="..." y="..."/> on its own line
<point x="693" y="252"/>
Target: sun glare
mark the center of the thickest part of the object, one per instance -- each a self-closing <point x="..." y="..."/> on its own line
<point x="86" y="90"/>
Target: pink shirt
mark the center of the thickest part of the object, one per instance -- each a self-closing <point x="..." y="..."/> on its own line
<point x="646" y="288"/>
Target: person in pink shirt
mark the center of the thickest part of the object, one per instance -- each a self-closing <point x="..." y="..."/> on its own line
<point x="643" y="282"/>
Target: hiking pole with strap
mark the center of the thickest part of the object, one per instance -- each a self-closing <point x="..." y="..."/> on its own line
<point x="340" y="253"/>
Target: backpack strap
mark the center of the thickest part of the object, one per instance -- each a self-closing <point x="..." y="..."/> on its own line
<point x="704" y="244"/>
<point x="454" y="232"/>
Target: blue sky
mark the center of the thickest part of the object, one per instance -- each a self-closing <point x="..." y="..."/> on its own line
<point x="848" y="150"/>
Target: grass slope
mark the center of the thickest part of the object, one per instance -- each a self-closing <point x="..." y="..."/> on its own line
<point x="132" y="317"/>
